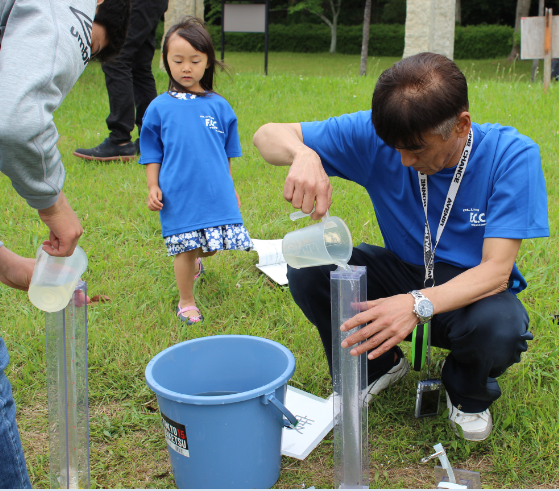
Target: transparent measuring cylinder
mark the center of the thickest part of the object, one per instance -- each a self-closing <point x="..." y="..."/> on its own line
<point x="348" y="288"/>
<point x="66" y="336"/>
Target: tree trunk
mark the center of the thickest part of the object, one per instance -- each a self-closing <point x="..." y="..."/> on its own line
<point x="535" y="62"/>
<point x="458" y="15"/>
<point x="365" y="42"/>
<point x="333" y="30"/>
<point x="178" y="9"/>
<point x="522" y="10"/>
<point x="334" y="24"/>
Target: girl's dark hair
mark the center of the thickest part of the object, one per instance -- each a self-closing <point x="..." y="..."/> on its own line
<point x="417" y="95"/>
<point x="192" y="30"/>
<point x="114" y="16"/>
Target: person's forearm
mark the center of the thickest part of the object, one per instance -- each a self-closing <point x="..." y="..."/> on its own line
<point x="488" y="278"/>
<point x="278" y="143"/>
<point x="152" y="174"/>
<point x="28" y="136"/>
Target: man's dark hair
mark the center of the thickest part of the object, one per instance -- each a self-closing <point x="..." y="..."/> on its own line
<point x="114" y="16"/>
<point x="424" y="92"/>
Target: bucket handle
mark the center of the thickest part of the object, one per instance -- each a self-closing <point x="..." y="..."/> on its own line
<point x="271" y="398"/>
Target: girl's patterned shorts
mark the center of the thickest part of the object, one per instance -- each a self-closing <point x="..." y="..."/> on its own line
<point x="221" y="238"/>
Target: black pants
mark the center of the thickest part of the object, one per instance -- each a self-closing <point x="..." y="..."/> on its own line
<point x="129" y="80"/>
<point x="484" y="338"/>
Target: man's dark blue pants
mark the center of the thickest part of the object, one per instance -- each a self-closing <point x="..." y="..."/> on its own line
<point x="484" y="338"/>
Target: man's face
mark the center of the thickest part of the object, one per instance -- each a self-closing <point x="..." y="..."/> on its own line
<point x="434" y="156"/>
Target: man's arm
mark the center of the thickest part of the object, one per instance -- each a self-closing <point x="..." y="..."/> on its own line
<point x="306" y="182"/>
<point x="52" y="34"/>
<point x="390" y="320"/>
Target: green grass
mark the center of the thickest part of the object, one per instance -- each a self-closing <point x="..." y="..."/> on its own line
<point x="128" y="263"/>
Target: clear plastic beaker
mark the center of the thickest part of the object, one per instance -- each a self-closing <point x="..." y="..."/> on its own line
<point x="327" y="242"/>
<point x="55" y="278"/>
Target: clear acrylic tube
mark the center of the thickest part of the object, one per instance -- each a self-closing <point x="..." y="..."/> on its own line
<point x="348" y="288"/>
<point x="66" y="336"/>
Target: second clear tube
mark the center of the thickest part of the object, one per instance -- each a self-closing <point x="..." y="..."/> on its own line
<point x="348" y="288"/>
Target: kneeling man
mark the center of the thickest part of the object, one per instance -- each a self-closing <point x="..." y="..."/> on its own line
<point x="453" y="200"/>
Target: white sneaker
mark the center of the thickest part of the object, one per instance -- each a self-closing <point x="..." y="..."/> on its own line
<point x="389" y="378"/>
<point x="475" y="426"/>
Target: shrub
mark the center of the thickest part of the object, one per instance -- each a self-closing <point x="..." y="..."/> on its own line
<point x="384" y="40"/>
<point x="482" y="42"/>
<point x="471" y="42"/>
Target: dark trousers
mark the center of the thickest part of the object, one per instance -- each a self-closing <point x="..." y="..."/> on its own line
<point x="484" y="338"/>
<point x="129" y="79"/>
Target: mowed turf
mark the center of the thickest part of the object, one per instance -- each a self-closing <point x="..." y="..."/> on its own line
<point x="127" y="262"/>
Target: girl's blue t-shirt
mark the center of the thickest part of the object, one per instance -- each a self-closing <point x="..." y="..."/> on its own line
<point x="502" y="193"/>
<point x="192" y="139"/>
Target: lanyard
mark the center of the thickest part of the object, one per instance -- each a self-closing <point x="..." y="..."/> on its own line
<point x="428" y="248"/>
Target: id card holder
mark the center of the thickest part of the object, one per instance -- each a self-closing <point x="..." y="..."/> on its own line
<point x="420" y="337"/>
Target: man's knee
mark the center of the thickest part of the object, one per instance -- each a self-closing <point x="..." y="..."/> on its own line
<point x="493" y="328"/>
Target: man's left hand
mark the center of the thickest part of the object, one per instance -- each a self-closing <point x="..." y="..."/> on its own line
<point x="388" y="322"/>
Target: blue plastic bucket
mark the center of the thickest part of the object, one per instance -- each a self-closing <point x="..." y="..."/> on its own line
<point x="221" y="402"/>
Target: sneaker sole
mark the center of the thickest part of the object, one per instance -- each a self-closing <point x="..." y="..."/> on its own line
<point x="124" y="158"/>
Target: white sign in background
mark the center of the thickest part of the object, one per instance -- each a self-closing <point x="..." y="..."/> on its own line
<point x="244" y="18"/>
<point x="532" y="33"/>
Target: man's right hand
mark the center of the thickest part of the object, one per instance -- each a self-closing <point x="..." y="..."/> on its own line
<point x="307" y="183"/>
<point x="64" y="225"/>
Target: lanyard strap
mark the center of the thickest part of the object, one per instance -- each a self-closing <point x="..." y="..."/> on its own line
<point x="428" y="248"/>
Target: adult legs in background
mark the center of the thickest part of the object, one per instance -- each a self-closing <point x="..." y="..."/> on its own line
<point x="13" y="471"/>
<point x="484" y="338"/>
<point x="130" y="83"/>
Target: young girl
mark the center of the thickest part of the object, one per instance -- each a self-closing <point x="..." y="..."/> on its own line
<point x="189" y="135"/>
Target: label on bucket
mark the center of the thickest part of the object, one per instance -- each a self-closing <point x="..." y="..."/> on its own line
<point x="175" y="435"/>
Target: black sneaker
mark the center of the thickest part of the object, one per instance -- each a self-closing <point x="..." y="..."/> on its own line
<point x="107" y="150"/>
<point x="137" y="146"/>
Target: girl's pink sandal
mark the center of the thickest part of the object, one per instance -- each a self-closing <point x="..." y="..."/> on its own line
<point x="189" y="320"/>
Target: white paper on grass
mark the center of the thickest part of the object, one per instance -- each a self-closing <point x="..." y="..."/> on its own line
<point x="270" y="259"/>
<point x="315" y="417"/>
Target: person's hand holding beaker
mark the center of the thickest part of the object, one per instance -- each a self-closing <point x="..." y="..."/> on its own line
<point x="64" y="225"/>
<point x="307" y="183"/>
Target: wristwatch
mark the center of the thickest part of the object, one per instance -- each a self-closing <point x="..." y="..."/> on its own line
<point x="423" y="307"/>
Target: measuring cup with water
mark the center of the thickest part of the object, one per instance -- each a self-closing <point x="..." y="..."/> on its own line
<point x="55" y="278"/>
<point x="326" y="242"/>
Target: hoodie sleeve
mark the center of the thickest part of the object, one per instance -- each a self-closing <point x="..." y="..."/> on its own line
<point x="45" y="46"/>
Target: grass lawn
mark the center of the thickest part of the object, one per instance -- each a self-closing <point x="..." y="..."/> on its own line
<point x="127" y="262"/>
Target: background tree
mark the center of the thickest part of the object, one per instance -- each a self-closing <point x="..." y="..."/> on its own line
<point x="316" y="7"/>
<point x="365" y="42"/>
<point x="522" y="10"/>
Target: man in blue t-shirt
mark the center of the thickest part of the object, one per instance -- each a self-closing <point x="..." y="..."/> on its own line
<point x="453" y="200"/>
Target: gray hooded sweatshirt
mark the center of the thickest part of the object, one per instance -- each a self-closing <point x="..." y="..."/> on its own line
<point x="44" y="48"/>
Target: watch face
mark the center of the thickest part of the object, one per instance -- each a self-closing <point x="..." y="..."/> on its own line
<point x="425" y="308"/>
